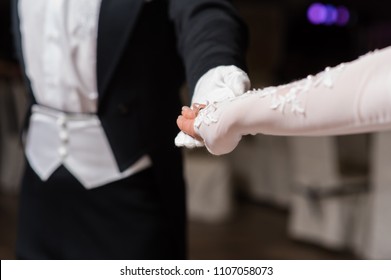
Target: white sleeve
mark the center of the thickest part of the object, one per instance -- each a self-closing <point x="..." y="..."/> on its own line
<point x="353" y="97"/>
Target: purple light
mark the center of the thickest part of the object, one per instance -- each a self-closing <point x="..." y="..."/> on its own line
<point x="327" y="14"/>
<point x="331" y="15"/>
<point x="317" y="13"/>
<point x="343" y="16"/>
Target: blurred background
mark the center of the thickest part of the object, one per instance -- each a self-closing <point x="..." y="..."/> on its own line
<point x="273" y="197"/>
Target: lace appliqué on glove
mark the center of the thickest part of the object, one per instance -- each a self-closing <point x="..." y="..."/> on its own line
<point x="279" y="101"/>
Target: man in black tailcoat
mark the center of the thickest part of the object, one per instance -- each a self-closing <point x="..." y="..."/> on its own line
<point x="74" y="203"/>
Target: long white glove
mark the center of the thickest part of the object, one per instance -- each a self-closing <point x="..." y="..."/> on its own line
<point x="353" y="97"/>
<point x="216" y="85"/>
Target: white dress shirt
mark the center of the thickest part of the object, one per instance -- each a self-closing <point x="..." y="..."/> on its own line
<point x="59" y="47"/>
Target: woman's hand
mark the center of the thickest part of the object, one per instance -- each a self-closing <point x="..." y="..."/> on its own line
<point x="186" y="120"/>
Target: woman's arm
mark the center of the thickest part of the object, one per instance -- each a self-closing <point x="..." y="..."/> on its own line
<point x="353" y="97"/>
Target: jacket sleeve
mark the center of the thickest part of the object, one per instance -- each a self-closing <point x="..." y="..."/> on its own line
<point x="210" y="33"/>
<point x="353" y="97"/>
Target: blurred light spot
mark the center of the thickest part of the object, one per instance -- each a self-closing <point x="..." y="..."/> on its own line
<point x="343" y="16"/>
<point x="331" y="15"/>
<point x="316" y="13"/>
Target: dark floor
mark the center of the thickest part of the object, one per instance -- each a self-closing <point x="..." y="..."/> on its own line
<point x="253" y="232"/>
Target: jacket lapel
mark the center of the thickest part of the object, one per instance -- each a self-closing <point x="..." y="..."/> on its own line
<point x="116" y="21"/>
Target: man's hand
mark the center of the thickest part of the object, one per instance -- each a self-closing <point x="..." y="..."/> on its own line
<point x="221" y="83"/>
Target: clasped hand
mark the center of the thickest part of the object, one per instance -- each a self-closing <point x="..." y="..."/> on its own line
<point x="216" y="85"/>
<point x="186" y="120"/>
